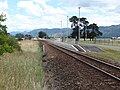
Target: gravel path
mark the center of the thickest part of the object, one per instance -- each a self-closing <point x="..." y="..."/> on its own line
<point x="65" y="73"/>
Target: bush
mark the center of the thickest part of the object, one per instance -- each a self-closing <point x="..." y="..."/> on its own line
<point x="3" y="38"/>
<point x="13" y="42"/>
<point x="8" y="44"/>
<point x="6" y="48"/>
<point x="19" y="39"/>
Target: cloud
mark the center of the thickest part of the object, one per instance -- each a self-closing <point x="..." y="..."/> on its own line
<point x="30" y="7"/>
<point x="40" y="2"/>
<point x="4" y="8"/>
<point x="102" y="12"/>
<point x="104" y="5"/>
<point x="3" y="5"/>
<point x="34" y="14"/>
<point x="21" y="22"/>
<point x="48" y="17"/>
<point x="39" y="7"/>
<point x="53" y="11"/>
<point x="91" y="3"/>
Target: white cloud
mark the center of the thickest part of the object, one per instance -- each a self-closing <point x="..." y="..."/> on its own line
<point x="104" y="5"/>
<point x="53" y="11"/>
<point x="30" y="7"/>
<point x="3" y="5"/>
<point x="105" y="19"/>
<point x="40" y="2"/>
<point x="39" y="7"/>
<point x="50" y="17"/>
<point x="21" y="22"/>
<point x="91" y="3"/>
<point x="102" y="12"/>
<point x="54" y="21"/>
<point x="3" y="9"/>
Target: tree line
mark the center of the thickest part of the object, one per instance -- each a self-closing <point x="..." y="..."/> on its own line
<point x="19" y="36"/>
<point x="87" y="30"/>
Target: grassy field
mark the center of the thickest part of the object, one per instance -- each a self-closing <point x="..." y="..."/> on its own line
<point x="22" y="70"/>
<point x="108" y="54"/>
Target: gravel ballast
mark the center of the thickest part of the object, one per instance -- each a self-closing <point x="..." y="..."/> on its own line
<point x="65" y="73"/>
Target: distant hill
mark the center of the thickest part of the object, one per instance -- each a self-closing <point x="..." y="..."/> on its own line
<point x="108" y="31"/>
<point x="50" y="32"/>
<point x="16" y="32"/>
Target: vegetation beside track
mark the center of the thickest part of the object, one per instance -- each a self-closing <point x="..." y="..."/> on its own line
<point x="22" y="70"/>
<point x="108" y="54"/>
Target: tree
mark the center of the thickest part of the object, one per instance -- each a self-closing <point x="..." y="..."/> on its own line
<point x="84" y="24"/>
<point x="7" y="42"/>
<point x="41" y="34"/>
<point x="89" y="31"/>
<point x="19" y="35"/>
<point x="94" y="31"/>
<point x="3" y="28"/>
<point x="74" y="27"/>
<point x="27" y="36"/>
<point x="85" y="29"/>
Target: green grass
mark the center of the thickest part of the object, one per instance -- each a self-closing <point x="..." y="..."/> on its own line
<point x="108" y="54"/>
<point x="22" y="70"/>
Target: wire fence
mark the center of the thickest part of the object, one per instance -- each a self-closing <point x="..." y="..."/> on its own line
<point x="112" y="42"/>
<point x="105" y="41"/>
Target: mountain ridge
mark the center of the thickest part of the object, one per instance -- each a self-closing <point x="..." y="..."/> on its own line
<point x="108" y="31"/>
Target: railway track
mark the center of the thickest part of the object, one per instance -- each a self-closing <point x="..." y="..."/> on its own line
<point x="111" y="72"/>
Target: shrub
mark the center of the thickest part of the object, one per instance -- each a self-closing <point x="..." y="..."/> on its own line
<point x="6" y="48"/>
<point x="8" y="44"/>
<point x="13" y="42"/>
<point x="19" y="39"/>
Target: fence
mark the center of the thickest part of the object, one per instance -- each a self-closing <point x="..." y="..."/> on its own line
<point x="101" y="41"/>
<point x="113" y="42"/>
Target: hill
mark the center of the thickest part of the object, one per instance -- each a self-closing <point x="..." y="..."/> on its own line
<point x="50" y="32"/>
<point x="108" y="31"/>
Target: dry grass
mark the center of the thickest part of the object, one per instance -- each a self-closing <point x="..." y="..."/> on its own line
<point x="22" y="70"/>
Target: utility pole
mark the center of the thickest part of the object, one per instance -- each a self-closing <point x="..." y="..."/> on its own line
<point x="67" y="27"/>
<point x="61" y="27"/>
<point x="61" y="32"/>
<point x="61" y="24"/>
<point x="79" y="26"/>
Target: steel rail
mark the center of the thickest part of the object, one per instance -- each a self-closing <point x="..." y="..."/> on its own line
<point x="109" y="74"/>
<point x="90" y="57"/>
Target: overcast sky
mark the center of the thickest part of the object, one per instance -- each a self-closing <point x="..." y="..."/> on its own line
<point x="32" y="14"/>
